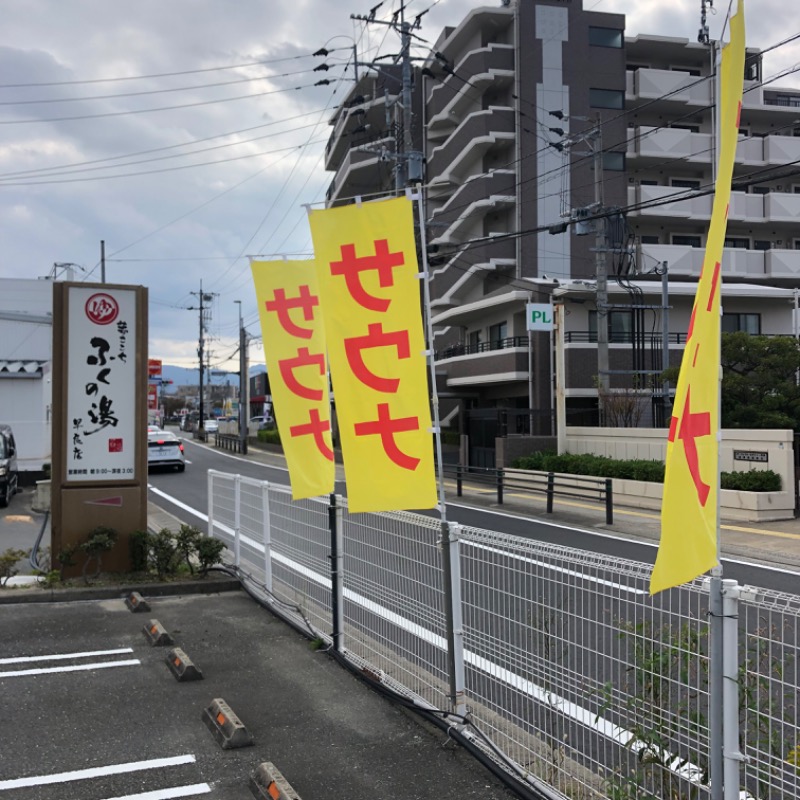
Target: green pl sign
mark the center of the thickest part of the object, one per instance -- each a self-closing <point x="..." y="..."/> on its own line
<point x="539" y="316"/>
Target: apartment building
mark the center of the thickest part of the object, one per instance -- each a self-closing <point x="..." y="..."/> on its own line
<point x="535" y="114"/>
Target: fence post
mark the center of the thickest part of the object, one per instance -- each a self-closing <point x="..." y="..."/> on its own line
<point x="451" y="568"/>
<point x="210" y="493"/>
<point x="609" y="501"/>
<point x="732" y="757"/>
<point x="551" y="480"/>
<point x="500" y="487"/>
<point x="459" y="477"/>
<point x="237" y="517"/>
<point x="267" y="529"/>
<point x="337" y="560"/>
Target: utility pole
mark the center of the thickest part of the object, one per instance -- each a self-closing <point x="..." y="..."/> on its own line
<point x="203" y="298"/>
<point x="243" y="382"/>
<point x="409" y="161"/>
<point x="102" y="261"/>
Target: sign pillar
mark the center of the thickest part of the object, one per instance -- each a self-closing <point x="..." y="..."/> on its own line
<point x="99" y="469"/>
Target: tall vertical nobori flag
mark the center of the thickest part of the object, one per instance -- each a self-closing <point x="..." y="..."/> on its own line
<point x="370" y="287"/>
<point x="689" y="512"/>
<point x="294" y="348"/>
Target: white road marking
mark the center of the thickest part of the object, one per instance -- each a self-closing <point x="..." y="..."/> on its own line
<point x="96" y="772"/>
<point x="18" y="673"/>
<point x="62" y="656"/>
<point x="238" y="458"/>
<point x="167" y="794"/>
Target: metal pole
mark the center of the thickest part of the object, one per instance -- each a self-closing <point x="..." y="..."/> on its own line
<point x="600" y="269"/>
<point x="102" y="261"/>
<point x="665" y="335"/>
<point x="267" y="529"/>
<point x="337" y="562"/>
<point x="730" y="690"/>
<point x="210" y="492"/>
<point x="561" y="402"/>
<point x="715" y="681"/>
<point x="451" y="567"/>
<point x="200" y="425"/>
<point x="237" y="519"/>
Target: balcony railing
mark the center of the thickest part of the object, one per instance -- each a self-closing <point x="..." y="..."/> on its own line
<point x="481" y="347"/>
<point x="622" y="337"/>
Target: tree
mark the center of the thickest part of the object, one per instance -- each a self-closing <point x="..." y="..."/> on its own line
<point x="759" y="381"/>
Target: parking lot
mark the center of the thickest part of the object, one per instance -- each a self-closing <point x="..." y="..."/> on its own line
<point x="92" y="712"/>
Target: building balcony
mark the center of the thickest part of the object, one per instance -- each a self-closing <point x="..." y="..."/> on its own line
<point x="644" y="84"/>
<point x="743" y="206"/>
<point x="452" y="161"/>
<point x="477" y="187"/>
<point x="503" y="361"/>
<point x="485" y="67"/>
<point x="687" y="262"/>
<point x="357" y="173"/>
<point x="370" y="115"/>
<point x="783" y="265"/>
<point x="465" y="266"/>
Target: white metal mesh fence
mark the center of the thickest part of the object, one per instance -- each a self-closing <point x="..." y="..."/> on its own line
<point x="577" y="678"/>
<point x="769" y="648"/>
<point x="393" y="600"/>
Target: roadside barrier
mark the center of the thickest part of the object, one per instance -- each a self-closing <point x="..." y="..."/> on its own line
<point x="230" y="441"/>
<point x="550" y="484"/>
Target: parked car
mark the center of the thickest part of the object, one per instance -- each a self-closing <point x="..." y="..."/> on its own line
<point x="262" y="423"/>
<point x="153" y="428"/>
<point x="211" y="426"/>
<point x="165" y="449"/>
<point x="9" y="477"/>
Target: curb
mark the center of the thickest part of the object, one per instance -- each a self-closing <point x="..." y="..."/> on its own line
<point x="208" y="586"/>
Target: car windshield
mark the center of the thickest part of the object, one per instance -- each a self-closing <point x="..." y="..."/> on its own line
<point x="3" y="448"/>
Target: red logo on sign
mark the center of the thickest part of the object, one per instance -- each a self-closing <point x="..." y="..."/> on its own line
<point x="102" y="309"/>
<point x="115" y="445"/>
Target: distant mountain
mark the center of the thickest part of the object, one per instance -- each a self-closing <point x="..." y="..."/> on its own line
<point x="184" y="376"/>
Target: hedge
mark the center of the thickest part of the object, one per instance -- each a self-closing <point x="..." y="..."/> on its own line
<point x="639" y="470"/>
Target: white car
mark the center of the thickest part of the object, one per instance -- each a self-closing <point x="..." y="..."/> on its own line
<point x="165" y="449"/>
<point x="262" y="423"/>
<point x="211" y="426"/>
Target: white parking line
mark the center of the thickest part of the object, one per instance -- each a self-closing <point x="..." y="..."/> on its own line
<point x="17" y="673"/>
<point x="98" y="772"/>
<point x="64" y="656"/>
<point x="167" y="794"/>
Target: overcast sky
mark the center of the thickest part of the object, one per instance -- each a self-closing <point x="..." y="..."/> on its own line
<point x="188" y="134"/>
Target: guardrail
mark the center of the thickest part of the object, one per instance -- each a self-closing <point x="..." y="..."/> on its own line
<point x="551" y="484"/>
<point x="230" y="441"/>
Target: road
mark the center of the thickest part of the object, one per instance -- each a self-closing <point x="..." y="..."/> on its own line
<point x="186" y="496"/>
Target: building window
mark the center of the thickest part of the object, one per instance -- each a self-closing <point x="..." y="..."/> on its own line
<point x="619" y="326"/>
<point x="648" y="182"/>
<point x="737" y="241"/>
<point x="760" y="189"/>
<point x="606" y="98"/>
<point x="605" y="37"/>
<point x="683" y="240"/>
<point x="497" y="334"/>
<point x="746" y="323"/>
<point x="692" y="128"/>
<point x="695" y="73"/>
<point x="650" y="239"/>
<point x="684" y="183"/>
<point x="762" y="244"/>
<point x="614" y="161"/>
<point x="474" y="339"/>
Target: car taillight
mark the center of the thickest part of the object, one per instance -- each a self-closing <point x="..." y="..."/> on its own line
<point x="181" y="447"/>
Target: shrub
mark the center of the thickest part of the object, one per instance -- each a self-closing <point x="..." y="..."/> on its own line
<point x="8" y="562"/>
<point x="209" y="551"/>
<point x="101" y="540"/>
<point x="754" y="480"/>
<point x="164" y="553"/>
<point x="638" y="470"/>
<point x="186" y="544"/>
<point x="139" y="543"/>
<point x="271" y="436"/>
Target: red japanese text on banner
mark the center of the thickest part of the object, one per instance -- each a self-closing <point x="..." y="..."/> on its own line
<point x="294" y="349"/>
<point x="366" y="255"/>
<point x="689" y="511"/>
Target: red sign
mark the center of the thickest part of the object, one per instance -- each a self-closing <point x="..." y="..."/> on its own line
<point x="102" y="308"/>
<point x="153" y="368"/>
<point x="152" y="397"/>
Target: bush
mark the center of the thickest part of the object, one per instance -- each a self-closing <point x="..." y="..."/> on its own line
<point x="101" y="540"/>
<point x="8" y="561"/>
<point x="139" y="543"/>
<point x="638" y="470"/>
<point x="269" y="436"/>
<point x="164" y="555"/>
<point x="209" y="551"/>
<point x="754" y="480"/>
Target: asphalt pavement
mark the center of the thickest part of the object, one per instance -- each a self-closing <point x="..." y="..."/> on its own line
<point x="123" y="731"/>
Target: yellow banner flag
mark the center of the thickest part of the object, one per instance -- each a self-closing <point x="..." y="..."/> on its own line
<point x="689" y="511"/>
<point x="294" y="349"/>
<point x="370" y="290"/>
